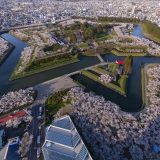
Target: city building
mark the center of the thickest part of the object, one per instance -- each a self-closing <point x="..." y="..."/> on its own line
<point x="10" y="150"/>
<point x="63" y="142"/>
<point x="2" y="135"/>
<point x="14" y="118"/>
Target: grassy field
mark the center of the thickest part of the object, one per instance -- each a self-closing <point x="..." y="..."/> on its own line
<point x="144" y="81"/>
<point x="44" y="67"/>
<point x="98" y="69"/>
<point x="112" y="86"/>
<point x="53" y="104"/>
<point x="123" y="81"/>
<point x="120" y="53"/>
<point x="113" y="68"/>
<point x="143" y="85"/>
<point x="104" y="36"/>
<point x="148" y="34"/>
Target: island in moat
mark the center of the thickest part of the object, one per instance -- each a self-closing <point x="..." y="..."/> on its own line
<point x="64" y="43"/>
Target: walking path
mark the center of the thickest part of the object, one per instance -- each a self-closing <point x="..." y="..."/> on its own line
<point x="44" y="90"/>
<point x="100" y="58"/>
<point x="78" y="71"/>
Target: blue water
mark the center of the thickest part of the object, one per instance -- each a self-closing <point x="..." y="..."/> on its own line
<point x="138" y="31"/>
<point x="131" y="103"/>
<point x="9" y="64"/>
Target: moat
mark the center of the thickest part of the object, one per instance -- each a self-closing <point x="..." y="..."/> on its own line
<point x="131" y="103"/>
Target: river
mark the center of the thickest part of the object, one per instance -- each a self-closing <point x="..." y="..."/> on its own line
<point x="131" y="103"/>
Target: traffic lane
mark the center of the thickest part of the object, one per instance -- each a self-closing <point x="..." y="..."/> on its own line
<point x="34" y="131"/>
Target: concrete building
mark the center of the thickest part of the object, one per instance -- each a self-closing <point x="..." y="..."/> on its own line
<point x="63" y="142"/>
<point x="10" y="150"/>
<point x="2" y="135"/>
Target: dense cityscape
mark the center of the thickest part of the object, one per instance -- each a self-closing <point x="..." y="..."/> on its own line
<point x="21" y="12"/>
<point x="79" y="80"/>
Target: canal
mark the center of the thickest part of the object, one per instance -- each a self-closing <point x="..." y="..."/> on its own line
<point x="131" y="103"/>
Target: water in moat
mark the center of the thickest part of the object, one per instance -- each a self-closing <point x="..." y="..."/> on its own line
<point x="132" y="102"/>
<point x="8" y="66"/>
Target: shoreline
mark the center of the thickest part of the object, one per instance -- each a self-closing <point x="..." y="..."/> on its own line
<point x="7" y="53"/>
<point x="149" y="36"/>
<point x="144" y="81"/>
<point x="143" y="84"/>
<point x="20" y="107"/>
<point x="13" y="78"/>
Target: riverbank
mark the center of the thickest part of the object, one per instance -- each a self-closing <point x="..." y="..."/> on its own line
<point x="7" y="53"/>
<point x="144" y="79"/>
<point x="36" y="70"/>
<point x="4" y="31"/>
<point x="117" y="53"/>
<point x="148" y="35"/>
<point x="143" y="83"/>
<point x="119" y="89"/>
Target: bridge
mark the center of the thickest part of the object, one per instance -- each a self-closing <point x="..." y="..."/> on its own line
<point x="99" y="57"/>
<point x="79" y="71"/>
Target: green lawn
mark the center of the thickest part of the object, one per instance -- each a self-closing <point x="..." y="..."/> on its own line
<point x="144" y="79"/>
<point x="113" y="68"/>
<point x="90" y="75"/>
<point x="100" y="70"/>
<point x="83" y="45"/>
<point x="53" y="104"/>
<point x="148" y="34"/>
<point x="120" y="53"/>
<point x="44" y="66"/>
<point x="143" y="85"/>
<point x="123" y="81"/>
<point x="112" y="86"/>
<point x="103" y="36"/>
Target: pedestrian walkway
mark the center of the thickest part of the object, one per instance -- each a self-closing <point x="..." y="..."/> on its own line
<point x="99" y="57"/>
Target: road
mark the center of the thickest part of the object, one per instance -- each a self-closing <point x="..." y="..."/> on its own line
<point x="44" y="90"/>
<point x="34" y="130"/>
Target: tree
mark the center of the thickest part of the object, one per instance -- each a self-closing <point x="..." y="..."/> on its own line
<point x="88" y="34"/>
<point x="100" y="50"/>
<point x="90" y="52"/>
<point x="128" y="65"/>
<point x="73" y="38"/>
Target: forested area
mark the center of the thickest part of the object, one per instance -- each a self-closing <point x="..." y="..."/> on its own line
<point x="54" y="103"/>
<point x="85" y="31"/>
<point x="119" y="19"/>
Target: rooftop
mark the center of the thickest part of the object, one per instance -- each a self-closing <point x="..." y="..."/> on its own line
<point x="10" y="150"/>
<point x="64" y="142"/>
<point x="12" y="116"/>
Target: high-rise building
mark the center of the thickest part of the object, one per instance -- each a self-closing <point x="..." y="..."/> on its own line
<point x="63" y="142"/>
